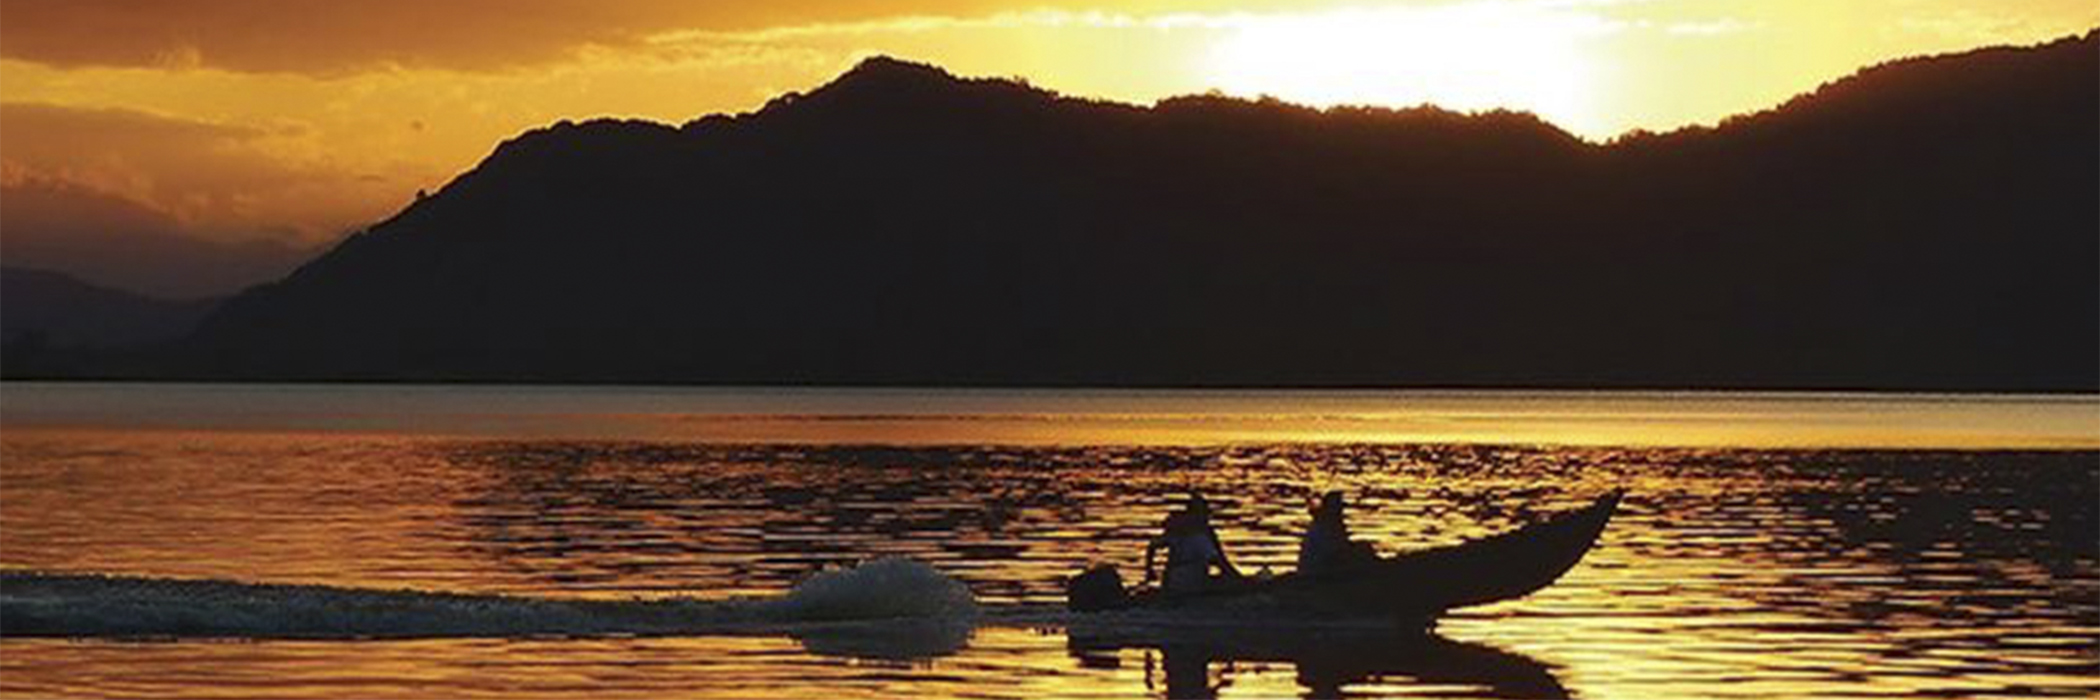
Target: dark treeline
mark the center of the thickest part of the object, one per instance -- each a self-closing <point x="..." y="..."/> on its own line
<point x="1927" y="224"/>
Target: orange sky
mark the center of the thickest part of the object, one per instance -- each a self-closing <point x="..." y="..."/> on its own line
<point x="294" y="120"/>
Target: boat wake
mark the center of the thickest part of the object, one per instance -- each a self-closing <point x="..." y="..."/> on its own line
<point x="890" y="591"/>
<point x="886" y="610"/>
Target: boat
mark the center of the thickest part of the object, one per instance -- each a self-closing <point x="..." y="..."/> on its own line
<point x="1413" y="587"/>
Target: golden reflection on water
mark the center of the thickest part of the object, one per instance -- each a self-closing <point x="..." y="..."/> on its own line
<point x="1728" y="573"/>
<point x="1855" y="421"/>
<point x="1000" y="663"/>
<point x="1077" y="416"/>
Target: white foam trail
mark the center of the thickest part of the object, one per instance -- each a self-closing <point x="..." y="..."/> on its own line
<point x="34" y="604"/>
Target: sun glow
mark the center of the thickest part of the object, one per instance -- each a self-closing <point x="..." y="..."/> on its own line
<point x="1468" y="56"/>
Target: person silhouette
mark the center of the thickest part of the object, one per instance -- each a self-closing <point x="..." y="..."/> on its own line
<point x="1192" y="550"/>
<point x="1326" y="547"/>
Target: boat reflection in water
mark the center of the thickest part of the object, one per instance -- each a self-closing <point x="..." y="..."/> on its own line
<point x="1201" y="661"/>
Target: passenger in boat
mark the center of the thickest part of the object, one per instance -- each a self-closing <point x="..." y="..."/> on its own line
<point x="1326" y="547"/>
<point x="1192" y="549"/>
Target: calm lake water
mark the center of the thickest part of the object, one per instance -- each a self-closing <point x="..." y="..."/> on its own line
<point x="372" y="541"/>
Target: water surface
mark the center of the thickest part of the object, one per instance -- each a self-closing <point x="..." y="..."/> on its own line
<point x="1789" y="565"/>
<point x="1077" y="416"/>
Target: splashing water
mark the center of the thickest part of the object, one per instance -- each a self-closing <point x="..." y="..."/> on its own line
<point x="890" y="587"/>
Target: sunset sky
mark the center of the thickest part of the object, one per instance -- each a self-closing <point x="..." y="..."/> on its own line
<point x="268" y="122"/>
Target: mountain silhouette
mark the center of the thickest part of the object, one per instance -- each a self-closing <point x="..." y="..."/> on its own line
<point x="53" y="323"/>
<point x="1929" y="223"/>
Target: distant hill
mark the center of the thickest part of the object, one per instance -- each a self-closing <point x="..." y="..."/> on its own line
<point x="112" y="241"/>
<point x="52" y="322"/>
<point x="1927" y="224"/>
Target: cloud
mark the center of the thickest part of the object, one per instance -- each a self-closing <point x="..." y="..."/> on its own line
<point x="307" y="36"/>
<point x="167" y="205"/>
<point x="919" y="24"/>
<point x="1725" y="25"/>
<point x="229" y="181"/>
<point x="330" y="36"/>
<point x="119" y="149"/>
<point x="335" y="36"/>
<point x="114" y="241"/>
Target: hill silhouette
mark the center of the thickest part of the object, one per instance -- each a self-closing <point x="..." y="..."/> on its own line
<point x="53" y="323"/>
<point x="1926" y="224"/>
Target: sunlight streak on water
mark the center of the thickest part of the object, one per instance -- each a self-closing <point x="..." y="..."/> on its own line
<point x="1727" y="572"/>
<point x="1077" y="417"/>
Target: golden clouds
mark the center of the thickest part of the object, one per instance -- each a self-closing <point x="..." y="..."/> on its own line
<point x="334" y="36"/>
<point x="331" y="37"/>
<point x="108" y="239"/>
<point x="166" y="205"/>
<point x="232" y="180"/>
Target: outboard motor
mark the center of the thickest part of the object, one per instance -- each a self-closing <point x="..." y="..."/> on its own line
<point x="1098" y="588"/>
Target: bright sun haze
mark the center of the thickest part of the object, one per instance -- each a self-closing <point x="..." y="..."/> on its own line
<point x="1470" y="56"/>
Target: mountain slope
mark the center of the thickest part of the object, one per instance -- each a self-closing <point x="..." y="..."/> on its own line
<point x="1926" y="224"/>
<point x="52" y="324"/>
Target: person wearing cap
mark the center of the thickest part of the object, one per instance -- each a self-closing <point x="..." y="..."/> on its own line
<point x="1192" y="549"/>
<point x="1326" y="547"/>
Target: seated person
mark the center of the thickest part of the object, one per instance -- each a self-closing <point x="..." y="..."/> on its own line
<point x="1192" y="549"/>
<point x="1326" y="547"/>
